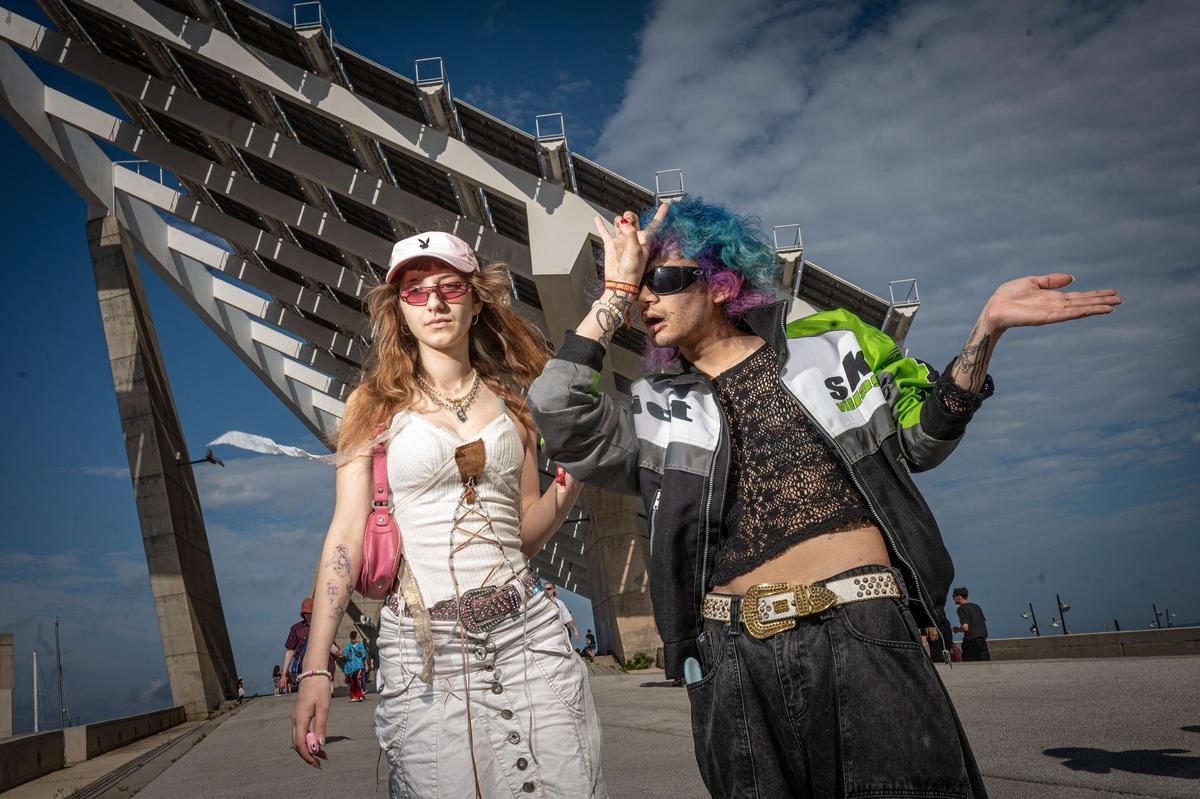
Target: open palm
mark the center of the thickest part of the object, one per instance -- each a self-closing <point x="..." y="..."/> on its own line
<point x="1036" y="300"/>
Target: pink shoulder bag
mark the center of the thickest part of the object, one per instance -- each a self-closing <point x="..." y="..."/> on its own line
<point x="382" y="545"/>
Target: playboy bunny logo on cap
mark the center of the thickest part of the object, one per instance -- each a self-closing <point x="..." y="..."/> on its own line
<point x="434" y="244"/>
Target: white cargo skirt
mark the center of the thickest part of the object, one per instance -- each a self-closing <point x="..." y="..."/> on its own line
<point x="533" y="722"/>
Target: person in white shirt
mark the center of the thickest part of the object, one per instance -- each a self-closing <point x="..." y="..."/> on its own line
<point x="564" y="615"/>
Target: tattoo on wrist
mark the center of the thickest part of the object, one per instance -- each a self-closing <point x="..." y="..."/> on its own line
<point x="972" y="361"/>
<point x="608" y="320"/>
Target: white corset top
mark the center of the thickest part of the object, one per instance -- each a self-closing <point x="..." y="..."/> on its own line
<point x="426" y="489"/>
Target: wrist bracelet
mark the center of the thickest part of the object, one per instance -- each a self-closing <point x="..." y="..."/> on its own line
<point x="314" y="673"/>
<point x="621" y="312"/>
<point x="622" y="286"/>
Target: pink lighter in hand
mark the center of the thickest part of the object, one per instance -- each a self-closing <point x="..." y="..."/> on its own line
<point x="310" y="738"/>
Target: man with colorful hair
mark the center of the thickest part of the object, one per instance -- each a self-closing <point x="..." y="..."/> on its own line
<point x="792" y="559"/>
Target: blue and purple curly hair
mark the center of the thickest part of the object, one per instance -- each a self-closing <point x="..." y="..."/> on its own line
<point x="732" y="252"/>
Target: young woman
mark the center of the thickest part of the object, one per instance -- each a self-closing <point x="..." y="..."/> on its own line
<point x="483" y="695"/>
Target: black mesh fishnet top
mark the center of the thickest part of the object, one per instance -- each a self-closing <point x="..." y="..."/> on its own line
<point x="786" y="483"/>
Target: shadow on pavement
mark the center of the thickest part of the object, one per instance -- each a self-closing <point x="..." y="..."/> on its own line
<point x="1156" y="762"/>
<point x="658" y="684"/>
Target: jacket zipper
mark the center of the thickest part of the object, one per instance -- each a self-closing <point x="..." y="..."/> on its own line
<point x="653" y="514"/>
<point x="712" y="474"/>
<point x="866" y="495"/>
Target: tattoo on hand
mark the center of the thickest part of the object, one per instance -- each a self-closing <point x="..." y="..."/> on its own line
<point x="341" y="559"/>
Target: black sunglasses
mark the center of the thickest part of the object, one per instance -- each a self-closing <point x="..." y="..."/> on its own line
<point x="670" y="279"/>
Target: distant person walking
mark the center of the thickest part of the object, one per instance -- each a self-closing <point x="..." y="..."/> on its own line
<point x="973" y="626"/>
<point x="275" y="674"/>
<point x="354" y="662"/>
<point x="241" y="691"/>
<point x="295" y="647"/>
<point x="589" y="644"/>
<point x="564" y="615"/>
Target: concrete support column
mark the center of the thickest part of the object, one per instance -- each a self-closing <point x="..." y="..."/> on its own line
<point x="617" y="551"/>
<point x="6" y="685"/>
<point x="191" y="620"/>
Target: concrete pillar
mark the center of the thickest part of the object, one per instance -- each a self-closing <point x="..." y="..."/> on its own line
<point x="617" y="550"/>
<point x="6" y="685"/>
<point x="191" y="620"/>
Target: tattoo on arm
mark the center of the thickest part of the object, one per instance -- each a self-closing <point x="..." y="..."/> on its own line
<point x="972" y="362"/>
<point x="341" y="559"/>
<point x="608" y="321"/>
<point x="333" y="592"/>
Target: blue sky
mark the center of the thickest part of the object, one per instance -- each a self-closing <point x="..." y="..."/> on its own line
<point x="961" y="144"/>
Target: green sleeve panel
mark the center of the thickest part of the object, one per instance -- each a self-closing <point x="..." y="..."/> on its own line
<point x="912" y="378"/>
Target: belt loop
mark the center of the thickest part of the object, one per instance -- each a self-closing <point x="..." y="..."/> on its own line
<point x="735" y="616"/>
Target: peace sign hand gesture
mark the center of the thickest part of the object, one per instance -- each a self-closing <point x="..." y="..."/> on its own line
<point x="626" y="253"/>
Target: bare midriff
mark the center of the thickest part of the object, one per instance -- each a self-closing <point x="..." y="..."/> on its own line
<point x="815" y="559"/>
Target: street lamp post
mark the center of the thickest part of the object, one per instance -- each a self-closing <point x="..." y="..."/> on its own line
<point x="1157" y="620"/>
<point x="1062" y="614"/>
<point x="209" y="457"/>
<point x="1030" y="615"/>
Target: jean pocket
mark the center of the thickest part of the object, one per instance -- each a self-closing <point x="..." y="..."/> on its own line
<point x="563" y="672"/>
<point x="897" y="730"/>
<point x="716" y="721"/>
<point x="710" y="652"/>
<point x="881" y="622"/>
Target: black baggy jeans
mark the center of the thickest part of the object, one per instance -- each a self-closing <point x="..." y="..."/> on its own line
<point x="846" y="704"/>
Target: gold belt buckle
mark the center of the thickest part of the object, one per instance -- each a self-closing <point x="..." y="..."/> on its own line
<point x="809" y="599"/>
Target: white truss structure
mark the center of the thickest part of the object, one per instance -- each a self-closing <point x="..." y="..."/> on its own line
<point x="298" y="164"/>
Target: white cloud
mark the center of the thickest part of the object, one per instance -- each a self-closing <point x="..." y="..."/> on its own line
<point x="964" y="145"/>
<point x="274" y="485"/>
<point x="265" y="518"/>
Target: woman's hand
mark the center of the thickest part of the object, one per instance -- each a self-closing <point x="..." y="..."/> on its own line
<point x="626" y="253"/>
<point x="310" y="712"/>
<point x="566" y="491"/>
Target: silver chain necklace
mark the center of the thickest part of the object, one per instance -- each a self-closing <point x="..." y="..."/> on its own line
<point x="458" y="405"/>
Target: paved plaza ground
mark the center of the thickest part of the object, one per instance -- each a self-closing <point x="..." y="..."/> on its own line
<point x="1072" y="729"/>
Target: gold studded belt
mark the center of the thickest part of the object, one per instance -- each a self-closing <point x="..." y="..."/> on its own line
<point x="770" y="608"/>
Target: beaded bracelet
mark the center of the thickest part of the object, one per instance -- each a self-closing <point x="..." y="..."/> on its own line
<point x="620" y="311"/>
<point x="315" y="673"/>
<point x="622" y="286"/>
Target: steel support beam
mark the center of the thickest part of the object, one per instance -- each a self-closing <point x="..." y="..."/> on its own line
<point x="191" y="620"/>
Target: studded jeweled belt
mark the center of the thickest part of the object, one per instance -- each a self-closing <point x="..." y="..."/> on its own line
<point x="479" y="609"/>
<point x="770" y="608"/>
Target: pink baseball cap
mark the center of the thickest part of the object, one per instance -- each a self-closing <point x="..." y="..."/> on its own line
<point x="434" y="244"/>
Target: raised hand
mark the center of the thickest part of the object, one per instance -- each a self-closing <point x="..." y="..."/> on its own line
<point x="1036" y="300"/>
<point x="626" y="252"/>
<point x="1024" y="302"/>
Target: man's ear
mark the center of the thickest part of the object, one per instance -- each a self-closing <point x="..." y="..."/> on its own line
<point x="724" y="286"/>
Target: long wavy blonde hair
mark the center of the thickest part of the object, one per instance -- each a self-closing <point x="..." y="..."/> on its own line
<point x="507" y="351"/>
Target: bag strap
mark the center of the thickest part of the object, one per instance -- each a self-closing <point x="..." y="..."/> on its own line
<point x="380" y="497"/>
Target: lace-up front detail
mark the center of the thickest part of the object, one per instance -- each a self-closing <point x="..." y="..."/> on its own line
<point x="786" y="483"/>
